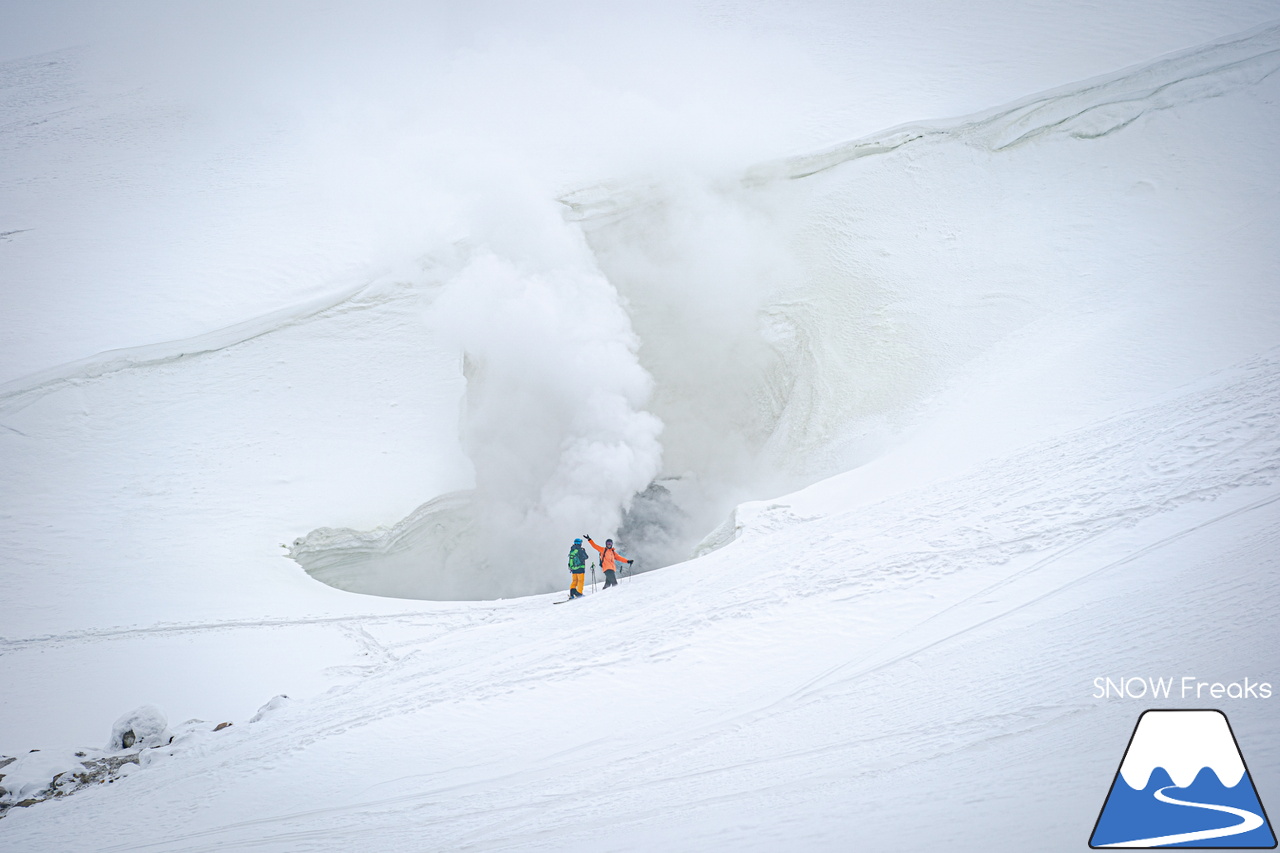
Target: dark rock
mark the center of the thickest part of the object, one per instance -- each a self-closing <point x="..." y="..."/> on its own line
<point x="127" y="739"/>
<point x="25" y="804"/>
<point x="220" y="726"/>
<point x="104" y="767"/>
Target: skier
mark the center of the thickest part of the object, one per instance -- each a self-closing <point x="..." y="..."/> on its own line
<point x="577" y="568"/>
<point x="608" y="560"/>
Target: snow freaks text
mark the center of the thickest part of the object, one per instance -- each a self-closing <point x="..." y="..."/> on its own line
<point x="1186" y="687"/>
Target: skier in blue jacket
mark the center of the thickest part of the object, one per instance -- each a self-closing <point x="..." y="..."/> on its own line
<point x="577" y="568"/>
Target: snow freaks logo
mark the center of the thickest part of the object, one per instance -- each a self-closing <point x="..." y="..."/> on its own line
<point x="1182" y="783"/>
<point x="1188" y="687"/>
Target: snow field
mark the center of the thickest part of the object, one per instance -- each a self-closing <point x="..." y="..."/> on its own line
<point x="752" y="696"/>
<point x="1045" y="335"/>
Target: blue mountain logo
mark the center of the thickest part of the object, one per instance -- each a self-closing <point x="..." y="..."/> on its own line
<point x="1183" y="783"/>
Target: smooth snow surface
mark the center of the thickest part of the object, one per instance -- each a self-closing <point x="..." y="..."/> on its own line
<point x="950" y="342"/>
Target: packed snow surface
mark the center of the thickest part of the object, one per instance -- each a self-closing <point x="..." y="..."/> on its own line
<point x="950" y="345"/>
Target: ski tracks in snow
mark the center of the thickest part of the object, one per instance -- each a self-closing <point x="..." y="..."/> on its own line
<point x="1013" y="534"/>
<point x="758" y="645"/>
<point x="1107" y="477"/>
<point x="1007" y="531"/>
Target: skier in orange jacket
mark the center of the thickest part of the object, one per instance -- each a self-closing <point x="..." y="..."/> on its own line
<point x="609" y="559"/>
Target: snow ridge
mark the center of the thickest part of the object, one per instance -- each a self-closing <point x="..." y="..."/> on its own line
<point x="390" y="561"/>
<point x="17" y="394"/>
<point x="1088" y="110"/>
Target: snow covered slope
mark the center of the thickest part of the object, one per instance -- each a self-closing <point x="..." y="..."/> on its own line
<point x="821" y="680"/>
<point x="965" y="413"/>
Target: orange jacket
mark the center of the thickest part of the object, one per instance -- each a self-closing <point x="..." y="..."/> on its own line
<point x="608" y="556"/>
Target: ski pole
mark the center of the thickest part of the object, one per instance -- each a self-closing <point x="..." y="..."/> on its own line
<point x="593" y="578"/>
